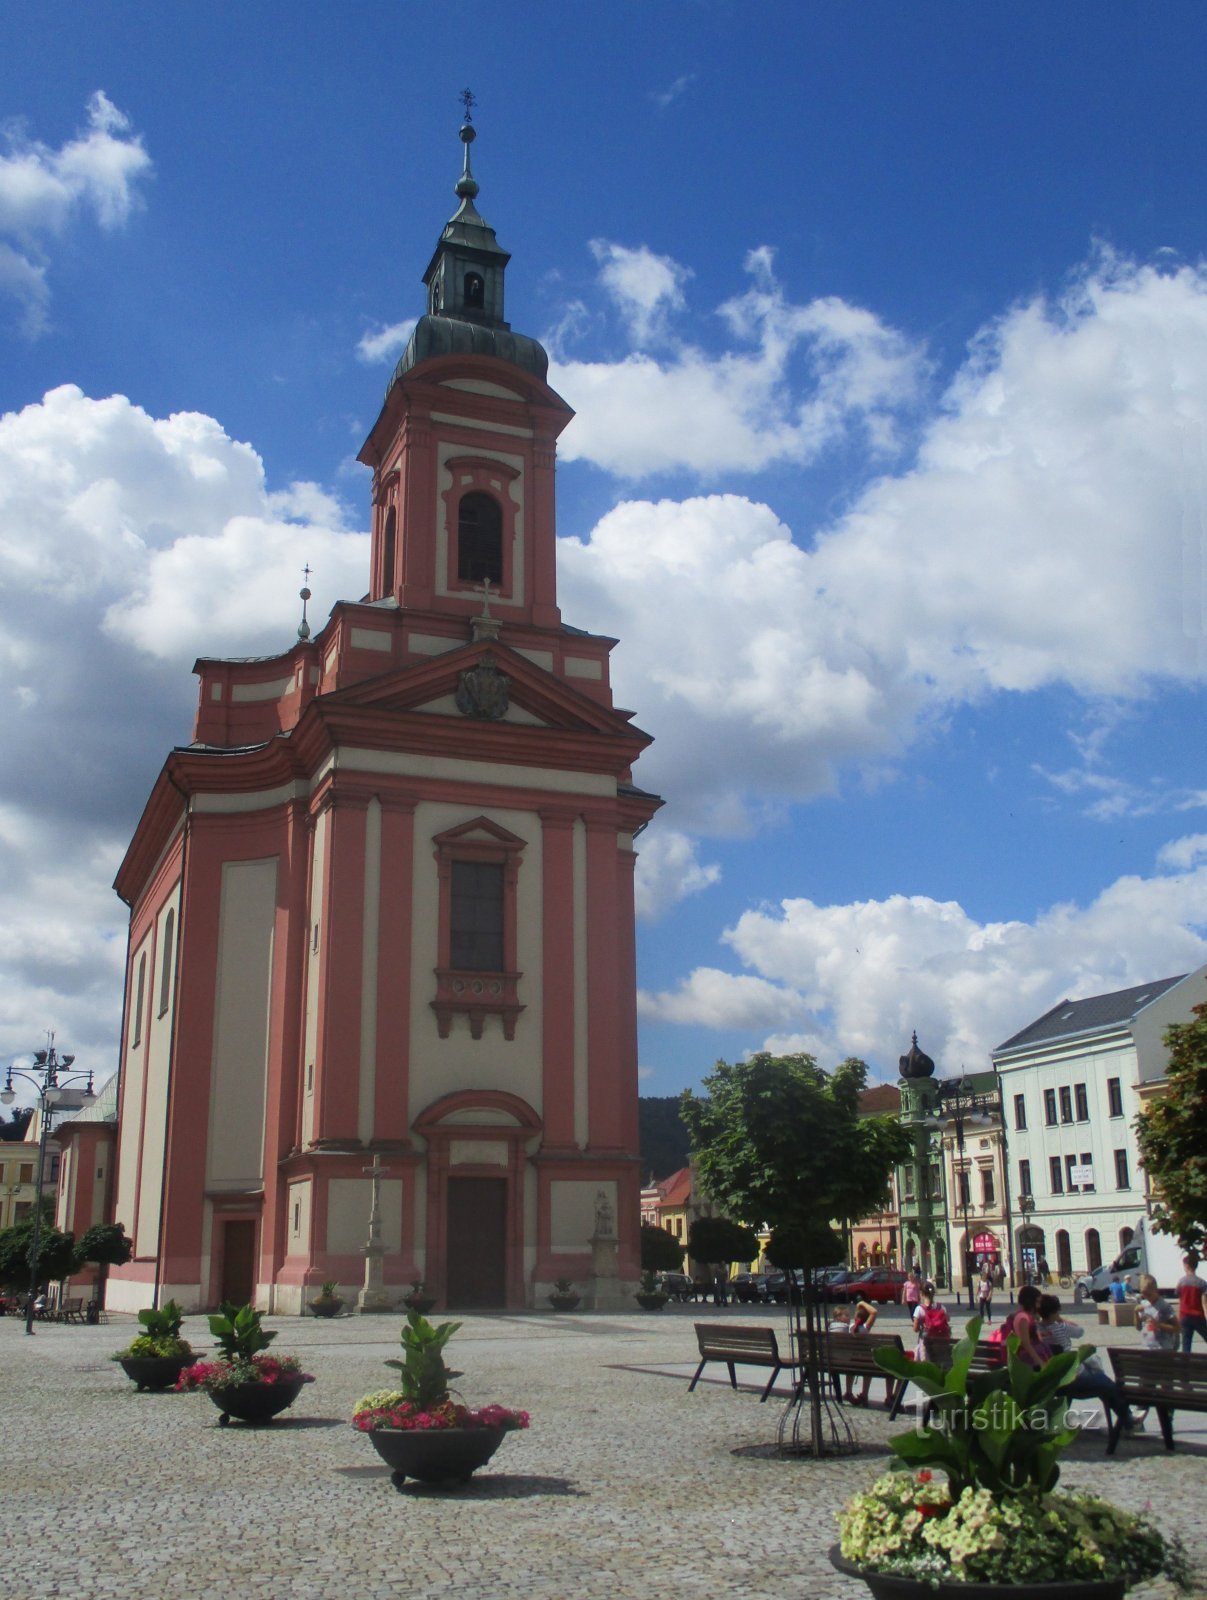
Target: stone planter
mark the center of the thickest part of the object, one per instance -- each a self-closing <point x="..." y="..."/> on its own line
<point x="326" y="1306"/>
<point x="256" y="1402"/>
<point x="435" y="1455"/>
<point x="651" y="1302"/>
<point x="564" y="1302"/>
<point x="155" y="1372"/>
<point x="892" y="1586"/>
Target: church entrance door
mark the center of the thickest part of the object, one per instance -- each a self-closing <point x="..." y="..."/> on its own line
<point x="238" y="1261"/>
<point x="476" y="1260"/>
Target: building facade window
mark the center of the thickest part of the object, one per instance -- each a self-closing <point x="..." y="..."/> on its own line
<point x="1056" y="1175"/>
<point x="478" y="867"/>
<point x="965" y="1189"/>
<point x="1070" y="1163"/>
<point x="1087" y="1164"/>
<point x="480" y="539"/>
<point x="1114" y="1095"/>
<point x="986" y="1186"/>
<point x="1050" y="1107"/>
<point x="1082" y="1102"/>
<point x="1122" y="1175"/>
<point x="1020" y="1111"/>
<point x="165" y="971"/>
<point x="480" y="516"/>
<point x="140" y="995"/>
<point x="1024" y="1177"/>
<point x="1064" y="1253"/>
<point x="1066" y="1104"/>
<point x="1093" y="1250"/>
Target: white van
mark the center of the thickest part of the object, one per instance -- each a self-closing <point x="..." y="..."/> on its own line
<point x="1149" y="1252"/>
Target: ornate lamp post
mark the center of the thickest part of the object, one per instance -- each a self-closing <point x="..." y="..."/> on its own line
<point x="48" y="1077"/>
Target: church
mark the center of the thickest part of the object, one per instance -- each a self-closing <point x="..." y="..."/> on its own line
<point x="381" y="905"/>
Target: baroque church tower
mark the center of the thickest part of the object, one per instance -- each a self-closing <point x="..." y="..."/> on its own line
<point x="381" y="906"/>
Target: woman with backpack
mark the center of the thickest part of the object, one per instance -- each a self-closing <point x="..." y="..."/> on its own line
<point x="930" y="1321"/>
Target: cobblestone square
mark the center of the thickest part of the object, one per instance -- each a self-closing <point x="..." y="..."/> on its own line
<point x="624" y="1486"/>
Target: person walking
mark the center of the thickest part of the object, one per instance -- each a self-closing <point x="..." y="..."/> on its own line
<point x="911" y="1292"/>
<point x="1192" y="1303"/>
<point x="984" y="1294"/>
<point x="1155" y="1317"/>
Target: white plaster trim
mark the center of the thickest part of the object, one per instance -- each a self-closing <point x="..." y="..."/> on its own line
<point x="370" y="639"/>
<point x="259" y="800"/>
<point x="482" y="424"/>
<point x="480" y="386"/>
<point x="581" y="1053"/>
<point x="262" y="691"/>
<point x="367" y="1086"/>
<point x="431" y="644"/>
<point x="582" y="667"/>
<point x="348" y="758"/>
<point x="539" y="658"/>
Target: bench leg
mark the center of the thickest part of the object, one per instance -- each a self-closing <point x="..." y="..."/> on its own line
<point x="770" y="1381"/>
<point x="894" y="1395"/>
<point x="696" y="1379"/>
<point x="733" y="1377"/>
<point x="1114" y="1427"/>
<point x="1165" y="1418"/>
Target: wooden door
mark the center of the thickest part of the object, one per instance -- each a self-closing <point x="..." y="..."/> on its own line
<point x="238" y="1261"/>
<point x="476" y="1263"/>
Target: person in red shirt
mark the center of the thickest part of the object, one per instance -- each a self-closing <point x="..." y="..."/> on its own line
<point x="1088" y="1384"/>
<point x="1192" y="1296"/>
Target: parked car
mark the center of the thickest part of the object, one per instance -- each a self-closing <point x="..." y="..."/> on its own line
<point x="677" y="1284"/>
<point x="750" y="1286"/>
<point x="878" y="1284"/>
<point x="833" y="1283"/>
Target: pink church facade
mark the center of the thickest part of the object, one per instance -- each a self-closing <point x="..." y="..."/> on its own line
<point x="382" y="905"/>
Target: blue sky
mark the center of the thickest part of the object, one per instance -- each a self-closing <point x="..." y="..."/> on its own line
<point x="886" y="329"/>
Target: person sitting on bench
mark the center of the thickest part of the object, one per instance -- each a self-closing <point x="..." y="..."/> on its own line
<point x="843" y="1322"/>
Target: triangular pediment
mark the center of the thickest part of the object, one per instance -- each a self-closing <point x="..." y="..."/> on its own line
<point x="534" y="697"/>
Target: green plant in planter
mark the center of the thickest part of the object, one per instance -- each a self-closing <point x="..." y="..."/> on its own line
<point x="996" y="1437"/>
<point x="160" y="1338"/>
<point x="425" y="1377"/>
<point x="238" y="1332"/>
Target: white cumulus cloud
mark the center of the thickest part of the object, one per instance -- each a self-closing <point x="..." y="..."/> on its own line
<point x="42" y="189"/>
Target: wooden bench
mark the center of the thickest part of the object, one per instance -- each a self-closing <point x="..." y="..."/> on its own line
<point x="1164" y="1380"/>
<point x="987" y="1356"/>
<point x="854" y="1355"/>
<point x="71" y="1310"/>
<point x="738" y="1345"/>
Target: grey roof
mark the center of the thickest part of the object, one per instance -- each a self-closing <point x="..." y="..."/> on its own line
<point x="1088" y="1016"/>
<point x="451" y="336"/>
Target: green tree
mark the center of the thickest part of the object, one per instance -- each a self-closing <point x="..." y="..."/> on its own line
<point x="779" y="1141"/>
<point x="716" y="1239"/>
<point x="660" y="1250"/>
<point x="105" y="1243"/>
<point x="1172" y="1134"/>
<point x="56" y="1253"/>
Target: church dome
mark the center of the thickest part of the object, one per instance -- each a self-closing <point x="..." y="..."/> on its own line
<point x="450" y="336"/>
<point x="917" y="1064"/>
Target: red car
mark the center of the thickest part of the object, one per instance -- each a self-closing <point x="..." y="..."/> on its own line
<point x="879" y="1285"/>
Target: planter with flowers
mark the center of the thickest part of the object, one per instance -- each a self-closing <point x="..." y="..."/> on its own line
<point x="418" y="1429"/>
<point x="563" y="1297"/>
<point x="157" y="1357"/>
<point x="996" y="1529"/>
<point x="327" y="1303"/>
<point x="418" y="1299"/>
<point x="649" y="1296"/>
<point x="245" y="1382"/>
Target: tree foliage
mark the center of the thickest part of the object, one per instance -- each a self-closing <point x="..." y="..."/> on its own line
<point x="13" y="1128"/>
<point x="1172" y="1134"/>
<point x="664" y="1141"/>
<point x="779" y="1141"/>
<point x="660" y="1250"/>
<point x="716" y="1239"/>
<point x="104" y="1242"/>
<point x="56" y="1255"/>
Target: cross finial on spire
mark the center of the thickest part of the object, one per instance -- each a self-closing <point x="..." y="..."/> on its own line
<point x="486" y="598"/>
<point x="468" y="101"/>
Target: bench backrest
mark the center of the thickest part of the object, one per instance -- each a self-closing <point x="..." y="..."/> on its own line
<point x="714" y="1337"/>
<point x="859" y="1349"/>
<point x="1167" y="1370"/>
<point x="987" y="1356"/>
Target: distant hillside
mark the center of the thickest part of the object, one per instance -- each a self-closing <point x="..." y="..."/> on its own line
<point x="664" y="1141"/>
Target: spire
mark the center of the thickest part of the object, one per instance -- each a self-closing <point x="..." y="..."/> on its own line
<point x="465" y="278"/>
<point x="304" y="596"/>
<point x="466" y="187"/>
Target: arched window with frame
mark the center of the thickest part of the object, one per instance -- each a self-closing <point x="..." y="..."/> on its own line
<point x="165" y="971"/>
<point x="475" y="291"/>
<point x="479" y="539"/>
<point x="389" y="540"/>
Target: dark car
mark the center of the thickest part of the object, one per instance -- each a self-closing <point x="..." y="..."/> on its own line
<point x="750" y="1286"/>
<point x="677" y="1284"/>
<point x="879" y="1285"/>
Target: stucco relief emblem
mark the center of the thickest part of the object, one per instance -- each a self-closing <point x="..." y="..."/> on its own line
<point x="483" y="691"/>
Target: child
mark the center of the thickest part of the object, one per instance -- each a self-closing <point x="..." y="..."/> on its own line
<point x="931" y="1322"/>
<point x="862" y="1322"/>
<point x="1155" y="1317"/>
<point x="1058" y="1333"/>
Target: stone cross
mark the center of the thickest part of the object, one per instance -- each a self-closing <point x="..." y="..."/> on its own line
<point x="373" y="1297"/>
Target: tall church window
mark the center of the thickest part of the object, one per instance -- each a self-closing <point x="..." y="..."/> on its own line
<point x="478" y="866"/>
<point x="388" y="545"/>
<point x="475" y="291"/>
<point x="479" y="539"/>
<point x="165" y="972"/>
<point x="476" y="916"/>
<point x="140" y="994"/>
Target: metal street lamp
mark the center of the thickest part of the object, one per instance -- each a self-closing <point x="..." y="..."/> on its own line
<point x="48" y="1077"/>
